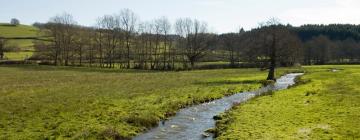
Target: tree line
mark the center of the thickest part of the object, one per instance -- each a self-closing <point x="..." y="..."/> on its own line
<point x="123" y="41"/>
<point x="120" y="40"/>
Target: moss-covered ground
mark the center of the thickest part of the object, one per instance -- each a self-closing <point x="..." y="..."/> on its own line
<point x="326" y="105"/>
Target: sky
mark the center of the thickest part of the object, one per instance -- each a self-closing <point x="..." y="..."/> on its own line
<point x="221" y="15"/>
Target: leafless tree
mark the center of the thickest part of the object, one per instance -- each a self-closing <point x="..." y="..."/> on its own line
<point x="60" y="28"/>
<point x="128" y="21"/>
<point x="318" y="49"/>
<point x="195" y="40"/>
<point x="230" y="43"/>
<point x="164" y="27"/>
<point x="109" y="37"/>
<point x="277" y="42"/>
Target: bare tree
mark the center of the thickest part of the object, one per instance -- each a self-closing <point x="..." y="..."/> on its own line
<point x="195" y="40"/>
<point x="128" y="20"/>
<point x="109" y="37"/>
<point x="164" y="27"/>
<point x="318" y="49"/>
<point x="82" y="43"/>
<point x="60" y="28"/>
<point x="277" y="41"/>
<point x="229" y="42"/>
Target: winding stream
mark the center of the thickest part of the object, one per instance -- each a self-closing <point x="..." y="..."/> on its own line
<point x="190" y="123"/>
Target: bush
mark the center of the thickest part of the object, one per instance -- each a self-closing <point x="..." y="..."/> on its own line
<point x="14" y="21"/>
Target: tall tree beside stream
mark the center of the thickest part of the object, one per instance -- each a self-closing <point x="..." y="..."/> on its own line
<point x="278" y="45"/>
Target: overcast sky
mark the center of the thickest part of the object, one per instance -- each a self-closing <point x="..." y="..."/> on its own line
<point x="221" y="15"/>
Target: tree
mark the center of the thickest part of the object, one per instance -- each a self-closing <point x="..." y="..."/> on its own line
<point x="318" y="50"/>
<point x="82" y="43"/>
<point x="165" y="27"/>
<point x="230" y="44"/>
<point x="61" y="29"/>
<point x="110" y="37"/>
<point x="14" y="21"/>
<point x="128" y="20"/>
<point x="2" y="48"/>
<point x="277" y="43"/>
<point x="195" y="40"/>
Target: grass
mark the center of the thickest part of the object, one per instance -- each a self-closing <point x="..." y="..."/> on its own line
<point x="325" y="107"/>
<point x="18" y="31"/>
<point x="24" y="45"/>
<point x="17" y="55"/>
<point x="39" y="102"/>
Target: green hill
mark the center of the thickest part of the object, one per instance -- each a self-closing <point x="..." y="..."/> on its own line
<point x="25" y="46"/>
<point x="7" y="30"/>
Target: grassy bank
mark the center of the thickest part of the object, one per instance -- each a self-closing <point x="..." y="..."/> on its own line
<point x="327" y="107"/>
<point x="39" y="102"/>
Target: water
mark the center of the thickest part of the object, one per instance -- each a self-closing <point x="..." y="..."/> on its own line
<point x="190" y="123"/>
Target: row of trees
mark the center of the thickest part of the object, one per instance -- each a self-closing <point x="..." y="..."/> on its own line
<point x="322" y="50"/>
<point x="121" y="40"/>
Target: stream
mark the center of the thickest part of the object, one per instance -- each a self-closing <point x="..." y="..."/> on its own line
<point x="191" y="122"/>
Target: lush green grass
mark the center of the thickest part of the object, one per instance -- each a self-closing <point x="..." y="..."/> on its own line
<point x="58" y="102"/>
<point x="24" y="45"/>
<point x="326" y="107"/>
<point x="17" y="55"/>
<point x="18" y="31"/>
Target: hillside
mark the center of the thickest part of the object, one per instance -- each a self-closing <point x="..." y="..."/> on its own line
<point x="25" y="46"/>
<point x="7" y="30"/>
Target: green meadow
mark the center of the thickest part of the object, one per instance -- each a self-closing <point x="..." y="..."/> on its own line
<point x="41" y="102"/>
<point x="18" y="31"/>
<point x="22" y="47"/>
<point x="18" y="55"/>
<point x="324" y="105"/>
<point x="47" y="102"/>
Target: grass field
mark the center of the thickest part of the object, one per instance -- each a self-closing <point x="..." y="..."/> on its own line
<point x="17" y="55"/>
<point x="25" y="45"/>
<point x="326" y="107"/>
<point x="18" y="31"/>
<point x="38" y="102"/>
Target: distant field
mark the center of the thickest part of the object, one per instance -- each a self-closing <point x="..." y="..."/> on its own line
<point x="327" y="107"/>
<point x="18" y="31"/>
<point x="25" y="45"/>
<point x="17" y="55"/>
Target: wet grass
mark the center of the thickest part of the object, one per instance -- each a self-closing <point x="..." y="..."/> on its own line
<point x="46" y="102"/>
<point x="324" y="105"/>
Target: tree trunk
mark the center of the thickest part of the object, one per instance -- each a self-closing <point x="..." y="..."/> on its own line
<point x="1" y="49"/>
<point x="271" y="75"/>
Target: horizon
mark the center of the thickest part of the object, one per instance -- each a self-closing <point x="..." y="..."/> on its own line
<point x="221" y="16"/>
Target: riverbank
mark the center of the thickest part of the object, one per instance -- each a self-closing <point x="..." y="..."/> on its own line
<point x="39" y="102"/>
<point x="327" y="106"/>
<point x="196" y="122"/>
